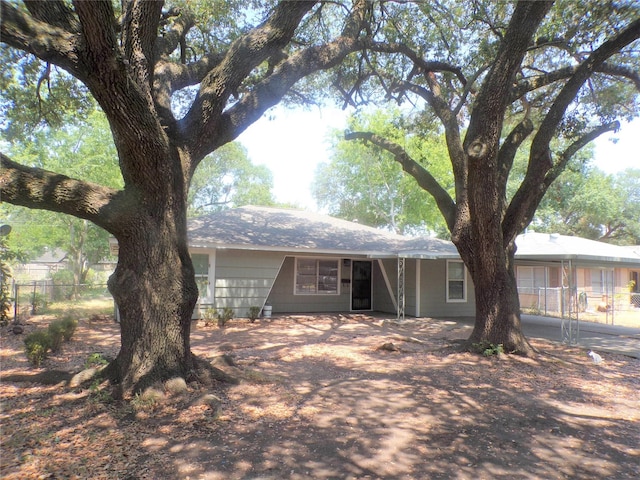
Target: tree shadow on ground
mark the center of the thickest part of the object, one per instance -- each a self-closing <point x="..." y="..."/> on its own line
<point x="323" y="401"/>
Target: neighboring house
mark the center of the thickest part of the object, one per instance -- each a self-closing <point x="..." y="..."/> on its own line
<point x="559" y="273"/>
<point x="42" y="267"/>
<point x="301" y="262"/>
<point x="50" y="262"/>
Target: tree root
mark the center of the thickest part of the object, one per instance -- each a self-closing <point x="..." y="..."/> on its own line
<point x="206" y="373"/>
<point x="49" y="377"/>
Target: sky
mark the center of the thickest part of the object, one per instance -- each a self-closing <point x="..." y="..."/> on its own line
<point x="291" y="143"/>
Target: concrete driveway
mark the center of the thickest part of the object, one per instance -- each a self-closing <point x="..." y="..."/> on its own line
<point x="596" y="336"/>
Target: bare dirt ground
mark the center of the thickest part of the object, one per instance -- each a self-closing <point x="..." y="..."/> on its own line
<point x="321" y="399"/>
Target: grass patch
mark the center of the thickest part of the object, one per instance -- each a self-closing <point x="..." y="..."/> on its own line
<point x="83" y="307"/>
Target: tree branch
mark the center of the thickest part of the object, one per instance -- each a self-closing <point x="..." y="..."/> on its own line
<point x="420" y="63"/>
<point x="426" y="181"/>
<point x="510" y="147"/>
<point x="139" y="32"/>
<point x="37" y="188"/>
<point x="485" y="125"/>
<point x="533" y="188"/>
<point x="174" y="36"/>
<point x="577" y="145"/>
<point x="53" y="12"/>
<point x="539" y="81"/>
<point x="270" y="90"/>
<point x="170" y="77"/>
<point x="243" y="56"/>
<point x="452" y="136"/>
<point x="568" y="93"/>
<point x="49" y="43"/>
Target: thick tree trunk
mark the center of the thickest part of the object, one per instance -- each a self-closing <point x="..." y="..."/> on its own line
<point x="497" y="304"/>
<point x="155" y="289"/>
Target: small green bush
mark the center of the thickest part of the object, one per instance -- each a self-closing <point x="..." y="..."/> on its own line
<point x="488" y="349"/>
<point x="36" y="346"/>
<point x="224" y="316"/>
<point x="70" y="325"/>
<point x="56" y="335"/>
<point x="62" y="285"/>
<point x="95" y="360"/>
<point x="38" y="303"/>
<point x="209" y="315"/>
<point x="254" y="313"/>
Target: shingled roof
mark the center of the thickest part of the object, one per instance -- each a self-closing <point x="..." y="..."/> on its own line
<point x="268" y="228"/>
<point x="290" y="230"/>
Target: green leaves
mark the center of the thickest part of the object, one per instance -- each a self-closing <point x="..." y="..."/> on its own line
<point x="364" y="183"/>
<point x="36" y="95"/>
<point x="226" y="179"/>
<point x="591" y="204"/>
<point x="82" y="149"/>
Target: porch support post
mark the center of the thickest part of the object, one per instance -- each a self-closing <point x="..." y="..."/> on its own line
<point x="418" y="287"/>
<point x="400" y="309"/>
<point x="570" y="326"/>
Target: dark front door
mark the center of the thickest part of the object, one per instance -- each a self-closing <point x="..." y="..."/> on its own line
<point x="361" y="285"/>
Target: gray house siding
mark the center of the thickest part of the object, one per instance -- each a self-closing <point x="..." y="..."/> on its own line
<point x="382" y="301"/>
<point x="283" y="299"/>
<point x="243" y="278"/>
<point x="410" y="287"/>
<point x="433" y="295"/>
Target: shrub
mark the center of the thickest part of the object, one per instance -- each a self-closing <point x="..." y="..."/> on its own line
<point x="95" y="360"/>
<point x="38" y="302"/>
<point x="36" y="346"/>
<point x="224" y="316"/>
<point x="69" y="324"/>
<point x="56" y="335"/>
<point x="254" y="313"/>
<point x="209" y="314"/>
<point x="62" y="284"/>
<point x="488" y="349"/>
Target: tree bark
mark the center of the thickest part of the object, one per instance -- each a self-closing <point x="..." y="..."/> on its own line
<point x="155" y="290"/>
<point x="497" y="319"/>
<point x="129" y="65"/>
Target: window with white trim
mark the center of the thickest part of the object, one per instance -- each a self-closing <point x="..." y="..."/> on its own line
<point x="316" y="276"/>
<point x="456" y="281"/>
<point x="201" y="267"/>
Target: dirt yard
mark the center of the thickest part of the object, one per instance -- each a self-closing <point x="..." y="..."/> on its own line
<point x="327" y="397"/>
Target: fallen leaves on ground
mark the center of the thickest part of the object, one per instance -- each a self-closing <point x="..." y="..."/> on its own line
<point x="321" y="397"/>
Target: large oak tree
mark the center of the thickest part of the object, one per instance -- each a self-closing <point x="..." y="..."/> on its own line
<point x="135" y="57"/>
<point x="557" y="74"/>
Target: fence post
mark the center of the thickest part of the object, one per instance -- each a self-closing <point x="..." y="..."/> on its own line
<point x="33" y="299"/>
<point x="16" y="289"/>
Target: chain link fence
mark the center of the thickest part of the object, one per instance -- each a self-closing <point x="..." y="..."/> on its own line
<point x="33" y="298"/>
<point x="616" y="306"/>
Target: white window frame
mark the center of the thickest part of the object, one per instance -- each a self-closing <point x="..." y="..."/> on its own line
<point x="317" y="292"/>
<point x="202" y="278"/>
<point x="463" y="279"/>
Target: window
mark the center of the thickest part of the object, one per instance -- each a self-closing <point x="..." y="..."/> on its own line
<point x="456" y="281"/>
<point x="316" y="277"/>
<point x="201" y="267"/>
<point x="531" y="279"/>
